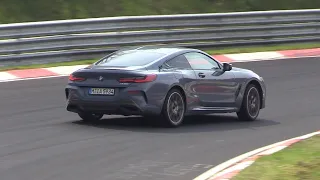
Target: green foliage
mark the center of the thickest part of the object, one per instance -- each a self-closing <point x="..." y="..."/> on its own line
<point x="300" y="161"/>
<point x="39" y="10"/>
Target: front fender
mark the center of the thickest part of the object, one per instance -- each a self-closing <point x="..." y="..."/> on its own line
<point x="244" y="85"/>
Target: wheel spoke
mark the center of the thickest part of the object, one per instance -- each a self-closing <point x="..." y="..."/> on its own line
<point x="175" y="108"/>
<point x="253" y="102"/>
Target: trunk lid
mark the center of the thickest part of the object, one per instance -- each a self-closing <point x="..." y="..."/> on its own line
<point x="104" y="82"/>
<point x="106" y="77"/>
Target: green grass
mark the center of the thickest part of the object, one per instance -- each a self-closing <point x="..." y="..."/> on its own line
<point x="39" y="10"/>
<point x="300" y="161"/>
<point x="210" y="51"/>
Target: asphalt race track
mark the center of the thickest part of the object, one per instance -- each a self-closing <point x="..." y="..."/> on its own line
<point x="40" y="140"/>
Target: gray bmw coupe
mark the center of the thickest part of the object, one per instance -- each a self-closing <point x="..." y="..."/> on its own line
<point x="167" y="83"/>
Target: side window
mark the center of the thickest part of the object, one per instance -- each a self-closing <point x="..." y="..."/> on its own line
<point x="179" y="62"/>
<point x="200" y="61"/>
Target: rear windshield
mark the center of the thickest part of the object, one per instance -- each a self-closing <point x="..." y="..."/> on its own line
<point x="130" y="58"/>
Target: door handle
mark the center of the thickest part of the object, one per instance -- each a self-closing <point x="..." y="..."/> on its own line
<point x="201" y="75"/>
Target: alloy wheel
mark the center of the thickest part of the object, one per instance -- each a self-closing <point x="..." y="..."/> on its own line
<point x="253" y="102"/>
<point x="175" y="108"/>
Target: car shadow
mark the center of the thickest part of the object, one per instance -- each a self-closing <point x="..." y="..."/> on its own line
<point x="192" y="124"/>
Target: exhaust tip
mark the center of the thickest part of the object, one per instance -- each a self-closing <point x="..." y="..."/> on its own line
<point x="73" y="108"/>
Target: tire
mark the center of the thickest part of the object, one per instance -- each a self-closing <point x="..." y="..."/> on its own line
<point x="174" y="108"/>
<point x="90" y="117"/>
<point x="250" y="107"/>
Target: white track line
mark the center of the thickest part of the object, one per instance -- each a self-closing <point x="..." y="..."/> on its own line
<point x="215" y="170"/>
<point x="45" y="77"/>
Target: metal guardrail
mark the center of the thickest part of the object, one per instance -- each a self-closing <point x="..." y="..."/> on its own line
<point x="66" y="40"/>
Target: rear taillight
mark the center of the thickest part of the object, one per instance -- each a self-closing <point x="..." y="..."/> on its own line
<point x="75" y="78"/>
<point x="144" y="79"/>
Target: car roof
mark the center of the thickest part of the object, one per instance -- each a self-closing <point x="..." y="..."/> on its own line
<point x="164" y="49"/>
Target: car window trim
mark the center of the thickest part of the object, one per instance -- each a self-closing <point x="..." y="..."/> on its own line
<point x="178" y="68"/>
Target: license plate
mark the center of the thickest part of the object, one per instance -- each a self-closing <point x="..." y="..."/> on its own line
<point x="101" y="91"/>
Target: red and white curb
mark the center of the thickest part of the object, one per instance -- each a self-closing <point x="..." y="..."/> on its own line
<point x="267" y="56"/>
<point x="17" y="75"/>
<point x="231" y="168"/>
<point x="27" y="74"/>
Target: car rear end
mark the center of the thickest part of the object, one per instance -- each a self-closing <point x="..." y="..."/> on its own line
<point x="117" y="84"/>
<point x="110" y="91"/>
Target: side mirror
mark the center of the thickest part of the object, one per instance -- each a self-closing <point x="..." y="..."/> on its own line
<point x="227" y="67"/>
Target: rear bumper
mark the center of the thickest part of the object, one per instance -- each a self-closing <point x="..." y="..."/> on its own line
<point x="121" y="104"/>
